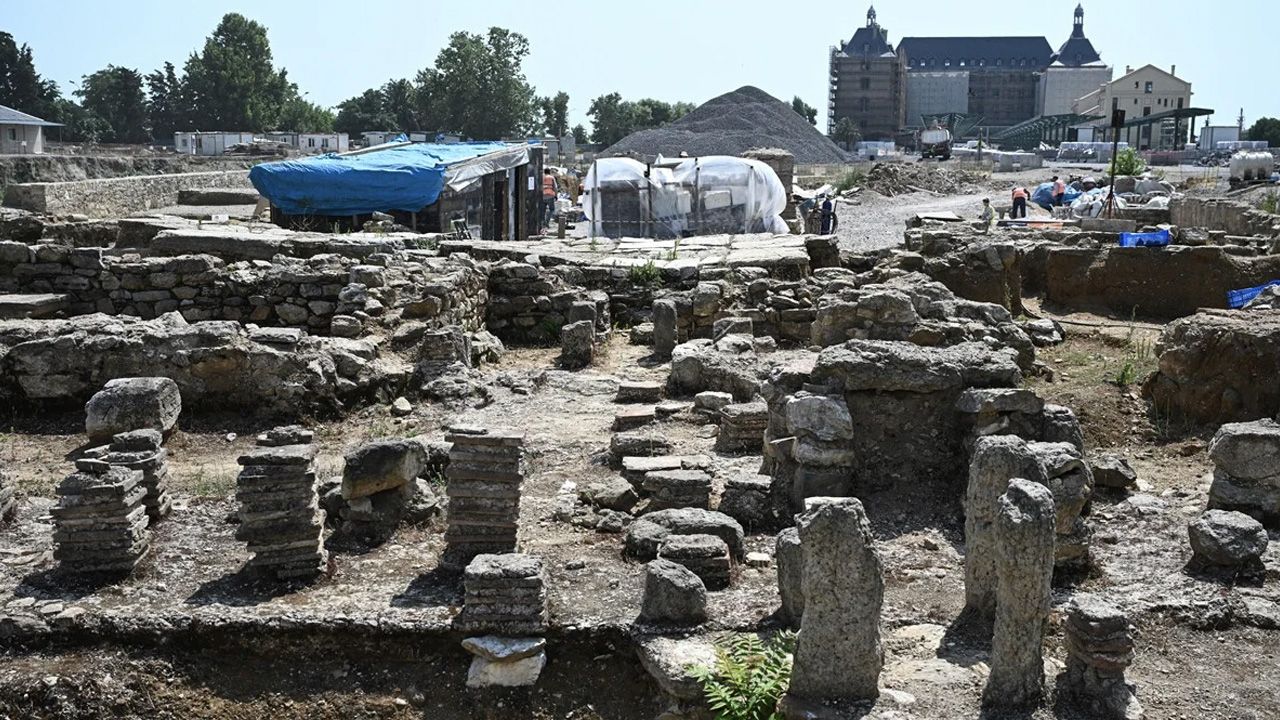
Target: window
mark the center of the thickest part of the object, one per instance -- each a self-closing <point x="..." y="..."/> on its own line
<point x="311" y="142"/>
<point x="864" y="104"/>
<point x="1179" y="103"/>
<point x="13" y="133"/>
<point x="324" y="142"/>
<point x="946" y="62"/>
<point x="1146" y="88"/>
<point x="866" y="83"/>
<point x="999" y="62"/>
<point x="1115" y="103"/>
<point x="962" y="62"/>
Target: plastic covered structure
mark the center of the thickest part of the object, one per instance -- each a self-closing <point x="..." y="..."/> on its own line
<point x="683" y="197"/>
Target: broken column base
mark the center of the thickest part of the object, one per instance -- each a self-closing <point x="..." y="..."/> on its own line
<point x="505" y="662"/>
<point x="1108" y="697"/>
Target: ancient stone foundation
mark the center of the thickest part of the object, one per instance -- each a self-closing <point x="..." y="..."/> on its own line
<point x="1024" y="569"/>
<point x="485" y="474"/>
<point x="100" y="521"/>
<point x="280" y="515"/>
<point x="843" y="590"/>
<point x="1099" y="644"/>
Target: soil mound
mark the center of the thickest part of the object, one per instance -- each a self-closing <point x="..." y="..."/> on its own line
<point x="890" y="179"/>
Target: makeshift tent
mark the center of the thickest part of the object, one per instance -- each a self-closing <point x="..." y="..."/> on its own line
<point x="696" y="196"/>
<point x="405" y="177"/>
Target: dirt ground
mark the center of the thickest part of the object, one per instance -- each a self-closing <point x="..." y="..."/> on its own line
<point x="1206" y="650"/>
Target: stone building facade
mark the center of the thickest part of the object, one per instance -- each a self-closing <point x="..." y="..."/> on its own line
<point x="867" y="83"/>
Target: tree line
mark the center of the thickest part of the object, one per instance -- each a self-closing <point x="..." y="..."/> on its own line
<point x="476" y="88"/>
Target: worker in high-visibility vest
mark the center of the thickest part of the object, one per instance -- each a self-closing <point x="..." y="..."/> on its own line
<point x="1059" y="191"/>
<point x="1019" y="203"/>
<point x="548" y="196"/>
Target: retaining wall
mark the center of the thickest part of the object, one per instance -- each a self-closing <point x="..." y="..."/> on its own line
<point x="114" y="197"/>
<point x="1230" y="216"/>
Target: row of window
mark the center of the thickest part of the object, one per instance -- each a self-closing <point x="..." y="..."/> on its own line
<point x="965" y="62"/>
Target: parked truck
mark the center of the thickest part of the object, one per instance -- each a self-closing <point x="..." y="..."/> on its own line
<point x="935" y="142"/>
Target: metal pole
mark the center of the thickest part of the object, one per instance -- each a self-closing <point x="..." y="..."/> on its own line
<point x="1111" y="191"/>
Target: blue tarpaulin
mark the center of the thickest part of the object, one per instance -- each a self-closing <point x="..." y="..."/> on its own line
<point x="1043" y="195"/>
<point x="407" y="178"/>
<point x="1147" y="239"/>
<point x="1239" y="298"/>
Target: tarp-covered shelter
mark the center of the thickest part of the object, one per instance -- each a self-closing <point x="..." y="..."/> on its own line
<point x="683" y="197"/>
<point x="492" y="186"/>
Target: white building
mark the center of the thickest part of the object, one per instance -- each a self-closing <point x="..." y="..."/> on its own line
<point x="1061" y="85"/>
<point x="208" y="143"/>
<point x="20" y="133"/>
<point x="312" y="143"/>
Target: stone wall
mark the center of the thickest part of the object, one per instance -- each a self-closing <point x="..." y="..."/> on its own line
<point x="1167" y="282"/>
<point x="114" y="197"/>
<point x="1230" y="216"/>
<point x="289" y="292"/>
<point x="50" y="167"/>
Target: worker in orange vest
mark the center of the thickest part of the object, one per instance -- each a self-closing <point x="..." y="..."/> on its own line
<point x="1019" y="203"/>
<point x="1059" y="191"/>
<point x="548" y="196"/>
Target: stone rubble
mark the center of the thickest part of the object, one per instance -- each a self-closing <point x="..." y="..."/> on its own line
<point x="1226" y="539"/>
<point x="1246" y="475"/>
<point x="505" y="661"/>
<point x="672" y="594"/>
<point x="280" y="515"/>
<point x="8" y="498"/>
<point x="100" y="521"/>
<point x="135" y="403"/>
<point x="485" y="476"/>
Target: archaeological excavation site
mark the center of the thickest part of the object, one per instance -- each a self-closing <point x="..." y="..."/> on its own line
<point x="965" y="407"/>
<point x="999" y="471"/>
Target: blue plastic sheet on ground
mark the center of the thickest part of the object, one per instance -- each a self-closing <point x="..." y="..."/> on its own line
<point x="1237" y="299"/>
<point x="1159" y="238"/>
<point x="1043" y="195"/>
<point x="406" y="178"/>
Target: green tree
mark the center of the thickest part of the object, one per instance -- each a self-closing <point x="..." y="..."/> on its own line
<point x="580" y="134"/>
<point x="399" y="103"/>
<point x="477" y="86"/>
<point x="555" y="114"/>
<point x="21" y="87"/>
<point x="611" y="118"/>
<point x="231" y="84"/>
<point x="114" y="94"/>
<point x="846" y="132"/>
<point x="80" y="125"/>
<point x="805" y="110"/>
<point x="1266" y="128"/>
<point x="166" y="105"/>
<point x="363" y="112"/>
<point x="298" y="115"/>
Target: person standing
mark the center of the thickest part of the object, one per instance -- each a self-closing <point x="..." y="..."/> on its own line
<point x="548" y="196"/>
<point x="1059" y="191"/>
<point x="829" y="221"/>
<point x="1019" y="209"/>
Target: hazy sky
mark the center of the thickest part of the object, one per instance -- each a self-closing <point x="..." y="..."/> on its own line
<point x="671" y="50"/>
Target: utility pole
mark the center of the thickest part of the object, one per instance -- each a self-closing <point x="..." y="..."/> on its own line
<point x="1240" y="122"/>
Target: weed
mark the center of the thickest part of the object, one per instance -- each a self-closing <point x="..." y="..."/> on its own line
<point x="749" y="677"/>
<point x="1270" y="203"/>
<point x="854" y="178"/>
<point x="646" y="274"/>
<point x="1128" y="373"/>
<point x="1128" y="162"/>
<point x="674" y="252"/>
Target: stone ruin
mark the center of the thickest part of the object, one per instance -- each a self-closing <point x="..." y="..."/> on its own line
<point x="280" y="515"/>
<point x="808" y="390"/>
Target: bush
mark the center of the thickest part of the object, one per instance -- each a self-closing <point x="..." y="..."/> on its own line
<point x="749" y="677"/>
<point x="1271" y="203"/>
<point x="646" y="274"/>
<point x="854" y="178"/>
<point x="1128" y="162"/>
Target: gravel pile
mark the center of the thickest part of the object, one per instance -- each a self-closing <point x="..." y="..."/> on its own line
<point x="890" y="179"/>
<point x="731" y="124"/>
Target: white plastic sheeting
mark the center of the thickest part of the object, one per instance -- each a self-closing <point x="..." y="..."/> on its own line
<point x="697" y="196"/>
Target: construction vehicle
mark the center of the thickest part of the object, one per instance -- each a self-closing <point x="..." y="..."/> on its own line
<point x="935" y="142"/>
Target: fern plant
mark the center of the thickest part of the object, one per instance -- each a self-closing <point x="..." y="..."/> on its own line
<point x="749" y="677"/>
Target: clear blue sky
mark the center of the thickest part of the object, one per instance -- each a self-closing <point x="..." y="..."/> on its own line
<point x="672" y="50"/>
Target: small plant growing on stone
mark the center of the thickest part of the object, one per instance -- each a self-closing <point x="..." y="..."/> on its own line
<point x="646" y="274"/>
<point x="1271" y="203"/>
<point x="749" y="677"/>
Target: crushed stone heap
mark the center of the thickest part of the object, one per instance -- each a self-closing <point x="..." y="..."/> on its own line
<point x="504" y="594"/>
<point x="8" y="501"/>
<point x="485" y="475"/>
<point x="100" y="520"/>
<point x="733" y="123"/>
<point x="142" y="450"/>
<point x="280" y="515"/>
<point x="892" y="179"/>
